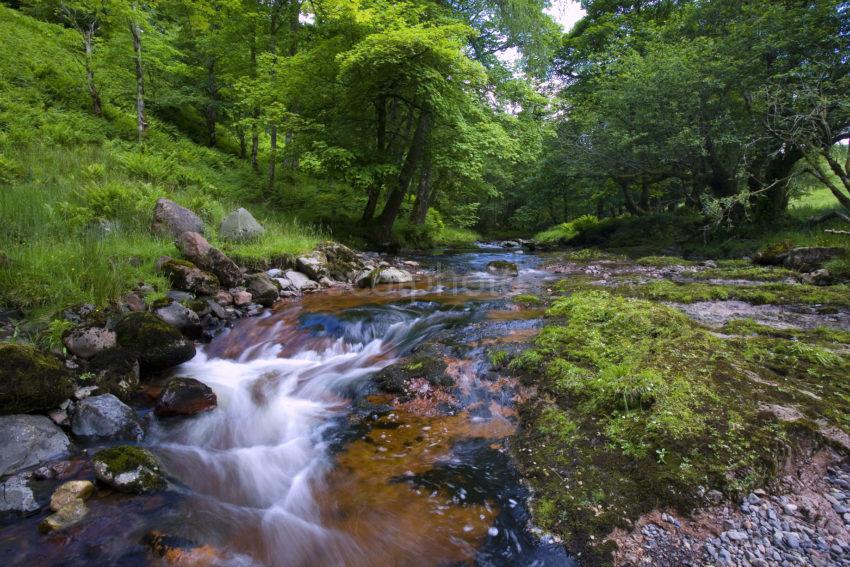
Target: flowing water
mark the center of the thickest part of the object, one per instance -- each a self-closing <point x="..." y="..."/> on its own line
<point x="305" y="463"/>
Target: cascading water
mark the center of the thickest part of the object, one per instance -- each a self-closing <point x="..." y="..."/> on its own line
<point x="255" y="464"/>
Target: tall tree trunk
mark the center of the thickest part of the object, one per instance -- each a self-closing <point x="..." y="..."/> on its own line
<point x="255" y="132"/>
<point x="243" y="144"/>
<point x="423" y="191"/>
<point x="272" y="157"/>
<point x="273" y="27"/>
<point x="88" y="44"/>
<point x="294" y="25"/>
<point x="141" y="122"/>
<point x="396" y="198"/>
<point x="371" y="203"/>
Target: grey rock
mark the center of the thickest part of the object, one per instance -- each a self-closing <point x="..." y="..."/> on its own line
<point x="28" y="441"/>
<point x="736" y="535"/>
<point x="264" y="290"/>
<point x="239" y="226"/>
<point x="86" y="343"/>
<point x="181" y="317"/>
<point x="170" y="219"/>
<point x="106" y="417"/>
<point x="301" y="282"/>
<point x="809" y="259"/>
<point x="17" y="496"/>
<point x="201" y="253"/>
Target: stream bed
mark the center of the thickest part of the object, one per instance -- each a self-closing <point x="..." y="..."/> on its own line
<point x="306" y="462"/>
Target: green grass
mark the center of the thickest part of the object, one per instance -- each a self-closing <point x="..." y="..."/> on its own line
<point x="77" y="192"/>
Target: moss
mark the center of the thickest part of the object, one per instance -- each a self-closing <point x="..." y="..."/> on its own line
<point x="773" y="253"/>
<point x="30" y="380"/>
<point x="770" y="293"/>
<point x="637" y="407"/>
<point x="157" y="344"/>
<point x="527" y="299"/>
<point x="502" y="267"/>
<point x="115" y="461"/>
<point x="746" y="271"/>
<point x="663" y="261"/>
<point x="498" y="358"/>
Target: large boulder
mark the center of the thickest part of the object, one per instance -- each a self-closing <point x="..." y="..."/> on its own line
<point x="185" y="397"/>
<point x="29" y="441"/>
<point x="811" y="258"/>
<point x="116" y="371"/>
<point x="170" y="219"/>
<point x="128" y="469"/>
<point x="30" y="380"/>
<point x="240" y="225"/>
<point x="181" y="317"/>
<point x="502" y="268"/>
<point x="263" y="289"/>
<point x="331" y="260"/>
<point x="106" y="417"/>
<point x="157" y="344"/>
<point x="186" y="276"/>
<point x="200" y="252"/>
<point x="87" y="342"/>
<point x="17" y="496"/>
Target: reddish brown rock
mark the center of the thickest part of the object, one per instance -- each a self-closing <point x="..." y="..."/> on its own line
<point x="185" y="397"/>
<point x="205" y="256"/>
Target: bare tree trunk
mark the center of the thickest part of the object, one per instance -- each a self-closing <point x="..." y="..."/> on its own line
<point x="243" y="144"/>
<point x="380" y="152"/>
<point x="141" y="122"/>
<point x="272" y="157"/>
<point x="88" y="42"/>
<point x="371" y="203"/>
<point x="423" y="191"/>
<point x="387" y="217"/>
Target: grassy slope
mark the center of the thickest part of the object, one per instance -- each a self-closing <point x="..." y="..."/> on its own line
<point x="76" y="192"/>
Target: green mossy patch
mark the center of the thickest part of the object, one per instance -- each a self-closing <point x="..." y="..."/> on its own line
<point x="638" y="407"/>
<point x="527" y="300"/>
<point x="663" y="261"/>
<point x="769" y="293"/>
<point x="157" y="344"/>
<point x="30" y="380"/>
<point x="129" y="469"/>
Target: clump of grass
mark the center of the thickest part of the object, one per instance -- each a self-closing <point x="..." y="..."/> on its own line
<point x="770" y="293"/>
<point x="663" y="261"/>
<point x="527" y="300"/>
<point x="565" y="232"/>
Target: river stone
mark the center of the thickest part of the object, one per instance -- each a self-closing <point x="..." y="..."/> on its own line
<point x="300" y="281"/>
<point x="181" y="317"/>
<point x="185" y="276"/>
<point x="185" y="397"/>
<point x="314" y="266"/>
<point x="30" y="440"/>
<point x="387" y="275"/>
<point x="128" y="469"/>
<point x="240" y="225"/>
<point x="70" y="491"/>
<point x="201" y="253"/>
<point x="263" y="289"/>
<point x="502" y="268"/>
<point x="116" y="371"/>
<point x="68" y="515"/>
<point x="157" y="344"/>
<point x="170" y="219"/>
<point x="30" y="380"/>
<point x="108" y="417"/>
<point x="241" y="297"/>
<point x="86" y="343"/>
<point x="17" y="496"/>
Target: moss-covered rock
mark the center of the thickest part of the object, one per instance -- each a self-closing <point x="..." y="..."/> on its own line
<point x="30" y="380"/>
<point x="638" y="407"/>
<point x="129" y="469"/>
<point x="157" y="344"/>
<point x="185" y="276"/>
<point x="115" y="371"/>
<point x="396" y="378"/>
<point x="502" y="268"/>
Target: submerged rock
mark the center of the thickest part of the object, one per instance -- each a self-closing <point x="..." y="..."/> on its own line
<point x="30" y="380"/>
<point x="200" y="252"/>
<point x="185" y="397"/>
<point x="86" y="343"/>
<point x="396" y="378"/>
<point x="502" y="268"/>
<point x="70" y="491"/>
<point x="29" y="441"/>
<point x="68" y="515"/>
<point x="186" y="276"/>
<point x="157" y="344"/>
<point x="263" y="289"/>
<point x="106" y="417"/>
<point x="17" y="496"/>
<point x="128" y="469"/>
<point x="170" y="219"/>
<point x="239" y="226"/>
